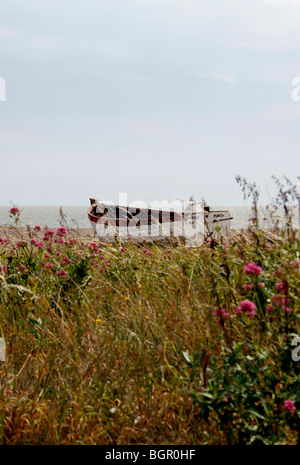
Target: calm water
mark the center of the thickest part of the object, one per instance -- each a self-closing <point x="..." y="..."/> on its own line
<point x="77" y="216"/>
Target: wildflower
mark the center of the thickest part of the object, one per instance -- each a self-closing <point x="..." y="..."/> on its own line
<point x="57" y="254"/>
<point x="49" y="249"/>
<point x="47" y="255"/>
<point x="223" y="315"/>
<point x="289" y="406"/>
<point x="66" y="260"/>
<point x="93" y="246"/>
<point x="147" y="252"/>
<point x="246" y="306"/>
<point x="61" y="231"/>
<point x="280" y="300"/>
<point x="3" y="268"/>
<point x="122" y="249"/>
<point x="49" y="265"/>
<point x="21" y="268"/>
<point x="61" y="273"/>
<point x="222" y="312"/>
<point x="237" y="310"/>
<point x="36" y="243"/>
<point x="37" y="228"/>
<point x="4" y="241"/>
<point x="247" y="287"/>
<point x="94" y="263"/>
<point x="21" y="244"/>
<point x="199" y="388"/>
<point x="252" y="268"/>
<point x="14" y="211"/>
<point x="49" y="233"/>
<point x="287" y="310"/>
<point x="295" y="263"/>
<point x="282" y="287"/>
<point x="262" y="285"/>
<point x="72" y="241"/>
<point x="127" y="298"/>
<point x="269" y="308"/>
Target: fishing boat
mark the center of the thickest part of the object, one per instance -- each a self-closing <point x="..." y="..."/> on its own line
<point x="192" y="222"/>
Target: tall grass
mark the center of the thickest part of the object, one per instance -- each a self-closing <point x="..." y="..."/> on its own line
<point x="151" y="344"/>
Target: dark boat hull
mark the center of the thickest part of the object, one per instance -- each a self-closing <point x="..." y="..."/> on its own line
<point x="192" y="224"/>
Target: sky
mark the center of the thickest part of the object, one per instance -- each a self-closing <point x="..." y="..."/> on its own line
<point x="159" y="99"/>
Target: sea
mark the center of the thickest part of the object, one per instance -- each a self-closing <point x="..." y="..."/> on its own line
<point x="76" y="216"/>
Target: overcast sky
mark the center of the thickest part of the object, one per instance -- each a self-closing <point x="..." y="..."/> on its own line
<point x="156" y="98"/>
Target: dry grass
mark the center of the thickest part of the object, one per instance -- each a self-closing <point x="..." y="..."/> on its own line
<point x="96" y="356"/>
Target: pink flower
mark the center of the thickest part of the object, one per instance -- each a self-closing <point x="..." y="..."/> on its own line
<point x="47" y="255"/>
<point x="61" y="273"/>
<point x="122" y="249"/>
<point x="36" y="243"/>
<point x="61" y="231"/>
<point x="4" y="241"/>
<point x="252" y="268"/>
<point x="66" y="260"/>
<point x="147" y="252"/>
<point x="295" y="263"/>
<point x="280" y="300"/>
<point x="269" y="308"/>
<point x="247" y="287"/>
<point x="3" y="268"/>
<point x="21" y="244"/>
<point x="93" y="246"/>
<point x="246" y="306"/>
<point x="289" y="406"/>
<point x="262" y="285"/>
<point x="57" y="254"/>
<point x="49" y="265"/>
<point x="49" y="233"/>
<point x="287" y="309"/>
<point x="222" y="313"/>
<point x="37" y="228"/>
<point x="282" y="287"/>
<point x="237" y="310"/>
<point x="14" y="211"/>
<point x="72" y="241"/>
<point x="21" y="268"/>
